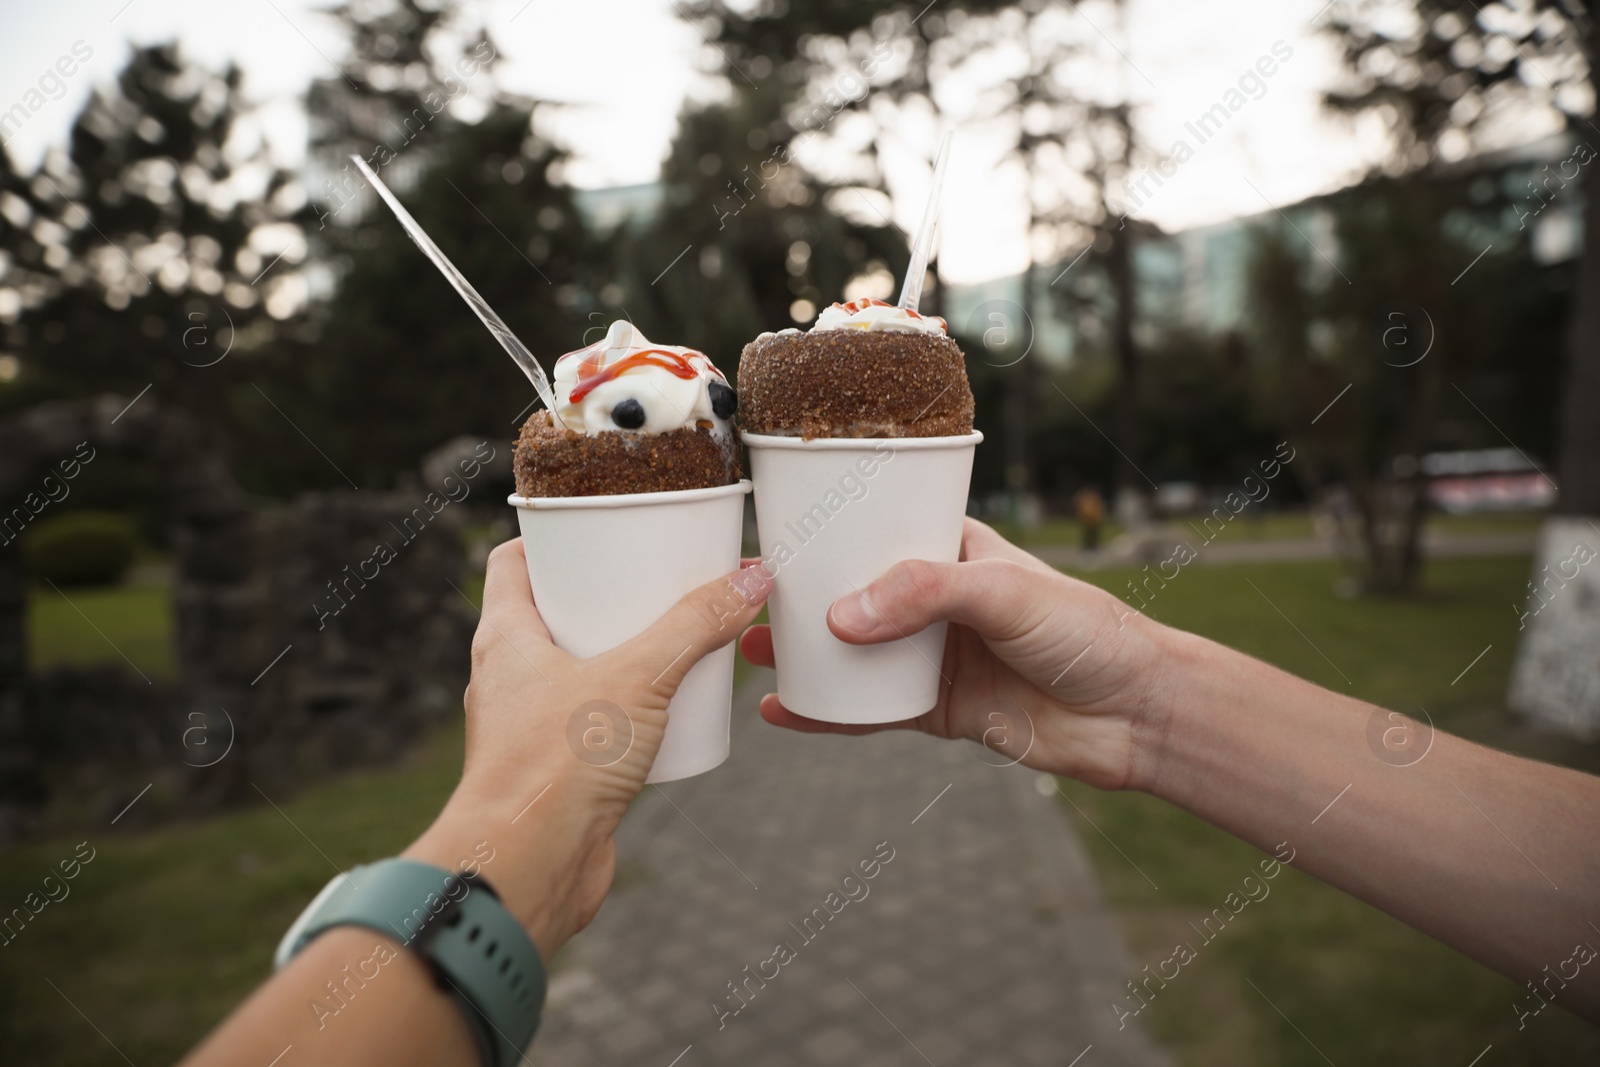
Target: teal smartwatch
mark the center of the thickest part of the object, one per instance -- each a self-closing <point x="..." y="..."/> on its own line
<point x="476" y="950"/>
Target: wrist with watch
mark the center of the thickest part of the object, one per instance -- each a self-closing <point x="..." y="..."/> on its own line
<point x="476" y="950"/>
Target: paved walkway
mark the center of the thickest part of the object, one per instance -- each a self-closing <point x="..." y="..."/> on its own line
<point x="980" y="940"/>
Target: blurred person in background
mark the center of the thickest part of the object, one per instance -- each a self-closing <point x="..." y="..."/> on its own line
<point x="1091" y="510"/>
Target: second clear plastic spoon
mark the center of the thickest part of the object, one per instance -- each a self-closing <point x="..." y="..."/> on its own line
<point x="922" y="246"/>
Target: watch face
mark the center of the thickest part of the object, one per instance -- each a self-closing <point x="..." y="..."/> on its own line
<point x="291" y="939"/>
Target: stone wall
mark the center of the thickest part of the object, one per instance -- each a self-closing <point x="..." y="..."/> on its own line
<point x="322" y="657"/>
<point x="315" y="636"/>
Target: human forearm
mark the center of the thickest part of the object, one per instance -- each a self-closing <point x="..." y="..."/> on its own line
<point x="353" y="996"/>
<point x="356" y="996"/>
<point x="1492" y="854"/>
<point x="539" y="866"/>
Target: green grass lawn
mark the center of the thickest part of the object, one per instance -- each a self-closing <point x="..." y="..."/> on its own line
<point x="1488" y="522"/>
<point x="1362" y="987"/>
<point x="1253" y="525"/>
<point x="165" y="931"/>
<point x="1054" y="531"/>
<point x="1257" y="525"/>
<point x="80" y="627"/>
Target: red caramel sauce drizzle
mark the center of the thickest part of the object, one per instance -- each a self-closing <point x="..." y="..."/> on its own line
<point x="865" y="302"/>
<point x="593" y="371"/>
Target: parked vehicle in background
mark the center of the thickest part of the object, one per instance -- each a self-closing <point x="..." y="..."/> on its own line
<point x="1490" y="479"/>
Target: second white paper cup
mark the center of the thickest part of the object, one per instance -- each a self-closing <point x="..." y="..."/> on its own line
<point x="604" y="568"/>
<point x="834" y="514"/>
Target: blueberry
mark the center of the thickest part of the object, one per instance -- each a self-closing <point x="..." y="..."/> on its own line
<point x="723" y="400"/>
<point x="629" y="414"/>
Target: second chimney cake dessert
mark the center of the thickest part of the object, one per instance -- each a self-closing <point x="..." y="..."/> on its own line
<point x="865" y="369"/>
<point x="634" y="417"/>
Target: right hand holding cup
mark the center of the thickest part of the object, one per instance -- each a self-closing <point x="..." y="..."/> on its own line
<point x="1041" y="667"/>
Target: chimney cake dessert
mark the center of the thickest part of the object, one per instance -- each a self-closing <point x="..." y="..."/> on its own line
<point x="634" y="417"/>
<point x="866" y="369"/>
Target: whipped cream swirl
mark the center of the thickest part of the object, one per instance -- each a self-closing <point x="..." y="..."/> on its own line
<point x="626" y="382"/>
<point x="869" y="314"/>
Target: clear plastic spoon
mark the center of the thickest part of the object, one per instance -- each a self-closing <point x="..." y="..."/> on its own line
<point x="922" y="246"/>
<point x="502" y="333"/>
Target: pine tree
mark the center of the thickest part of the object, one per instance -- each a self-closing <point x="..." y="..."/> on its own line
<point x="394" y="363"/>
<point x="138" y="255"/>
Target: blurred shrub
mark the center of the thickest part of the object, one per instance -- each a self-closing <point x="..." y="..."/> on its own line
<point x="81" y="548"/>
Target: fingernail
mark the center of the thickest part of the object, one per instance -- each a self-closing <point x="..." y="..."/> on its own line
<point x="752" y="583"/>
<point x="855" y="614"/>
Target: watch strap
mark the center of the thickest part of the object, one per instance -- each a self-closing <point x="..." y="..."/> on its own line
<point x="476" y="949"/>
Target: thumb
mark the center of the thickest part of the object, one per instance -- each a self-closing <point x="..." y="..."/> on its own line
<point x="996" y="597"/>
<point x="697" y="625"/>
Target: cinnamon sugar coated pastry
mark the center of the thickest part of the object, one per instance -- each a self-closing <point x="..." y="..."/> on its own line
<point x="550" y="461"/>
<point x="631" y="417"/>
<point x="867" y="369"/>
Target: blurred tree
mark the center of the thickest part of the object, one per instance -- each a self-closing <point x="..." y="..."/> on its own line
<point x="400" y="364"/>
<point x="413" y="74"/>
<point x="1032" y="69"/>
<point x="393" y="363"/>
<point x="1042" y="77"/>
<point x="1388" y="324"/>
<point x="130" y="263"/>
<point x="749" y="237"/>
<point x="1200" y="421"/>
<point x="1075" y="140"/>
<point x="1454" y="78"/>
<point x="134" y="258"/>
<point x="744" y="241"/>
<point x="859" y="76"/>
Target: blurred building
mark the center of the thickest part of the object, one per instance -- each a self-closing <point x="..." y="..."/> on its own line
<point x="1199" y="278"/>
<point x="605" y="210"/>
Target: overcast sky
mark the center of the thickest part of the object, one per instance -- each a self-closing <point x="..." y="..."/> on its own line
<point x="632" y="62"/>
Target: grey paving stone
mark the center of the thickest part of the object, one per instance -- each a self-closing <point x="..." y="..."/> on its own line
<point x="627" y="1037"/>
<point x="982" y="939"/>
<point x="834" y="1044"/>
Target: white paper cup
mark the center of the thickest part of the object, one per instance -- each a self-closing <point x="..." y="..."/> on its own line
<point x="834" y="514"/>
<point x="604" y="568"/>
